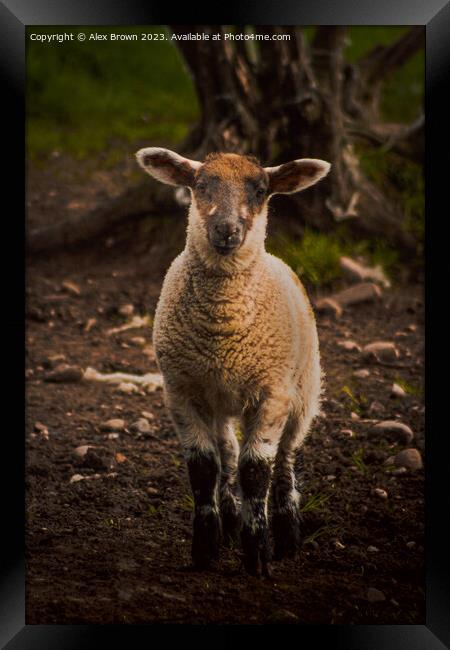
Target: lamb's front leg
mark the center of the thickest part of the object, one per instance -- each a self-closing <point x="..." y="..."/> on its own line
<point x="203" y="462"/>
<point x="262" y="428"/>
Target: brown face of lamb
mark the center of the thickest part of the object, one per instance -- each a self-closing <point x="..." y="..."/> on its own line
<point x="230" y="191"/>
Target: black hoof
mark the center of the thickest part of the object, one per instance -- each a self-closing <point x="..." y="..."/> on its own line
<point x="257" y="552"/>
<point x="206" y="540"/>
<point x="286" y="535"/>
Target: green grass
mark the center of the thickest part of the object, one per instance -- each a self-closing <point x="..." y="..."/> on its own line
<point x="315" y="257"/>
<point x="358" y="461"/>
<point x="316" y="502"/>
<point x="95" y="96"/>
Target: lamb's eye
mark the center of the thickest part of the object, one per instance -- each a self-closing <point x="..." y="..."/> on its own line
<point x="201" y="188"/>
<point x="260" y="192"/>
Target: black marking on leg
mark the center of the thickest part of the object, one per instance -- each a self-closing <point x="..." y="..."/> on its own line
<point x="204" y="475"/>
<point x="254" y="478"/>
<point x="286" y="517"/>
<point x="231" y="518"/>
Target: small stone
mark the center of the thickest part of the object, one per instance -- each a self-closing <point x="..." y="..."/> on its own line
<point x="354" y="416"/>
<point x="399" y="471"/>
<point x="347" y="432"/>
<point x="376" y="408"/>
<point x="394" y="602"/>
<point x="339" y="545"/>
<point x="409" y="458"/>
<point x="120" y="458"/>
<point x="350" y="346"/>
<point x="373" y="549"/>
<point x="375" y="595"/>
<point x="394" y="430"/>
<point x="138" y="341"/>
<point x="330" y="306"/>
<point x="165" y="580"/>
<point x="81" y="451"/>
<point x="127" y="387"/>
<point x="282" y="616"/>
<point x="76" y="477"/>
<point x="410" y="544"/>
<point x="113" y="436"/>
<point x="65" y="374"/>
<point x="113" y="425"/>
<point x="398" y="391"/>
<point x="153" y="491"/>
<point x="382" y="351"/>
<point x="148" y="415"/>
<point x="39" y="427"/>
<point x="361" y="374"/>
<point x="71" y="287"/>
<point x="141" y="426"/>
<point x="331" y="477"/>
<point x="54" y="360"/>
<point x="89" y="324"/>
<point x="412" y="327"/>
<point x="126" y="310"/>
<point x="379" y="492"/>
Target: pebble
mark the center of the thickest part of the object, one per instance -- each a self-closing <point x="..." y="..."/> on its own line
<point x="138" y="341"/>
<point x="113" y="436"/>
<point x="53" y="360"/>
<point x="375" y="595"/>
<point x="409" y="458"/>
<point x="152" y="490"/>
<point x="339" y="545"/>
<point x="120" y="458"/>
<point x="148" y="415"/>
<point x="80" y="452"/>
<point x="398" y="391"/>
<point x="377" y="408"/>
<point x="410" y="544"/>
<point x="71" y="288"/>
<point x="141" y="426"/>
<point x="347" y="432"/>
<point x="384" y="351"/>
<point x="127" y="387"/>
<point x="354" y="416"/>
<point x="350" y="346"/>
<point x="379" y="492"/>
<point x="394" y="429"/>
<point x="361" y="374"/>
<point x="394" y="602"/>
<point x="373" y="549"/>
<point x="113" y="425"/>
<point x="65" y="374"/>
<point x="126" y="310"/>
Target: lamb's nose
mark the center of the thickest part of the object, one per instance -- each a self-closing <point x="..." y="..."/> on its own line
<point x="226" y="230"/>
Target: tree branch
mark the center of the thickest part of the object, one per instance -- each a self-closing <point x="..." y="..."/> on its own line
<point x="405" y="140"/>
<point x="382" y="61"/>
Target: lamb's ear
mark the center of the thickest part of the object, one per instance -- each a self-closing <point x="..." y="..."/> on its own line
<point x="296" y="175"/>
<point x="167" y="166"/>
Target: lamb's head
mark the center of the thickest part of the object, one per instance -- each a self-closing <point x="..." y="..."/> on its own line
<point x="230" y="194"/>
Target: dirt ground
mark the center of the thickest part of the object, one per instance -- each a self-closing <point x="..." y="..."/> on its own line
<point x="115" y="548"/>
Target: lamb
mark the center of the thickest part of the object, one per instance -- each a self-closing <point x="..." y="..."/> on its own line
<point x="236" y="342"/>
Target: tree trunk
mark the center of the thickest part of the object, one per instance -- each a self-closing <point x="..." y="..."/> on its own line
<point x="281" y="100"/>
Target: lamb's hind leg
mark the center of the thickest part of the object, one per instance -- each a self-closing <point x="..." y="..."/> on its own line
<point x="286" y="490"/>
<point x="203" y="461"/>
<point x="229" y="508"/>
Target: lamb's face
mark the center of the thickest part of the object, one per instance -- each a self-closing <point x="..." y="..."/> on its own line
<point x="230" y="192"/>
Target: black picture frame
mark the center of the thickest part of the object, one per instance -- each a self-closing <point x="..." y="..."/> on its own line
<point x="15" y="15"/>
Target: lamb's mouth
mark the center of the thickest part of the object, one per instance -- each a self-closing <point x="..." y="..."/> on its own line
<point x="226" y="249"/>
